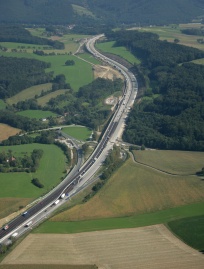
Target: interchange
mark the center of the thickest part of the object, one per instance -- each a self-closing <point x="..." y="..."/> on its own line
<point x="70" y="184"/>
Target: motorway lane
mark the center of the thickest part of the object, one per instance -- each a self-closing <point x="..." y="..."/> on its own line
<point x="65" y="187"/>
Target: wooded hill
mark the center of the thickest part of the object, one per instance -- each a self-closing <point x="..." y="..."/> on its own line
<point x="109" y="12"/>
<point x="171" y="116"/>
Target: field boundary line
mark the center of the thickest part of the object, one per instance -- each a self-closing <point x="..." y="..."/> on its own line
<point x="158" y="170"/>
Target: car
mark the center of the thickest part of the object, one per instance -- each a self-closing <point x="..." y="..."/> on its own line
<point x="5" y="227"/>
<point x="25" y="213"/>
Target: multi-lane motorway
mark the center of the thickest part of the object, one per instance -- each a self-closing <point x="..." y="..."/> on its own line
<point x="75" y="181"/>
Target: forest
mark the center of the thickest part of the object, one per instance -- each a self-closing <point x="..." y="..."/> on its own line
<point x="171" y="114"/>
<point x="36" y="11"/>
<point x="18" y="74"/>
<point x="115" y="12"/>
<point x="17" y="33"/>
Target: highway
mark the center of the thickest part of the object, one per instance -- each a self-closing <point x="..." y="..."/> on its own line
<point x="79" y="178"/>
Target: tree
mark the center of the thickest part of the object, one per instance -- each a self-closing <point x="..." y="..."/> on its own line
<point x="70" y="62"/>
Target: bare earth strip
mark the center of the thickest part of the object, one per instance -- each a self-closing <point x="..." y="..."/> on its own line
<point x="152" y="247"/>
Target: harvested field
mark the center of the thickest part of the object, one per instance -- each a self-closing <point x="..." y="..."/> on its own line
<point x="135" y="189"/>
<point x="150" y="247"/>
<point x="6" y="131"/>
<point x="171" y="161"/>
<point x="47" y="266"/>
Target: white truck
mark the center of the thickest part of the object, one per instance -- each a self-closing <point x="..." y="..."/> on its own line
<point x="62" y="195"/>
<point x="56" y="202"/>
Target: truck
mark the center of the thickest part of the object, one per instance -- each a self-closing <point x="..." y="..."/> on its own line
<point x="62" y="195"/>
<point x="14" y="235"/>
<point x="56" y="202"/>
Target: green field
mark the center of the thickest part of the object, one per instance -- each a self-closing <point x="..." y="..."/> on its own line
<point x="42" y="101"/>
<point x="50" y="171"/>
<point x="80" y="133"/>
<point x="37" y="114"/>
<point x="123" y="222"/>
<point x="200" y="61"/>
<point x="29" y="93"/>
<point x="2" y="104"/>
<point x="120" y="51"/>
<point x="190" y="230"/>
<point x="23" y="46"/>
<point x="175" y="162"/>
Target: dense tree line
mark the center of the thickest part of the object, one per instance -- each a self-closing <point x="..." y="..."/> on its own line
<point x="15" y="33"/>
<point x="172" y="117"/>
<point x="193" y="31"/>
<point x="20" y="122"/>
<point x="152" y="51"/>
<point x="20" y="73"/>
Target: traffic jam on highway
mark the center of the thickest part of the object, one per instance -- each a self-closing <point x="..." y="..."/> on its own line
<point x="31" y="216"/>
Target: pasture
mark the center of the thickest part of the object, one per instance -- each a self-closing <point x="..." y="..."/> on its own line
<point x="120" y="51"/>
<point x="134" y="189"/>
<point x="78" y="132"/>
<point x="89" y="57"/>
<point x="148" y="247"/>
<point x="82" y="11"/>
<point x="190" y="230"/>
<point x="171" y="161"/>
<point x="199" y="61"/>
<point x="37" y="114"/>
<point x="29" y="93"/>
<point x="6" y="131"/>
<point x="50" y="171"/>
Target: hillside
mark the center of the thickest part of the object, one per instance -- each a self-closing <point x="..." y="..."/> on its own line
<point x="36" y="11"/>
<point x="147" y="11"/>
<point x="111" y="12"/>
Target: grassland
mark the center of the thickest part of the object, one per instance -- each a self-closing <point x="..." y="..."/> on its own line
<point x="6" y="131"/>
<point x="190" y="230"/>
<point x="172" y="32"/>
<point x="135" y="189"/>
<point x="200" y="61"/>
<point x="2" y="104"/>
<point x="50" y="171"/>
<point x="37" y="114"/>
<point x="120" y="51"/>
<point x="175" y="162"/>
<point x="80" y="133"/>
<point x="29" y="93"/>
<point x="10" y="204"/>
<point x="42" y="101"/>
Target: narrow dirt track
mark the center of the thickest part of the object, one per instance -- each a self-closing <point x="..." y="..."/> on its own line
<point x="152" y="247"/>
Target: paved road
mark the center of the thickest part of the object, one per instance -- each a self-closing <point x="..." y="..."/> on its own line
<point x="72" y="183"/>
